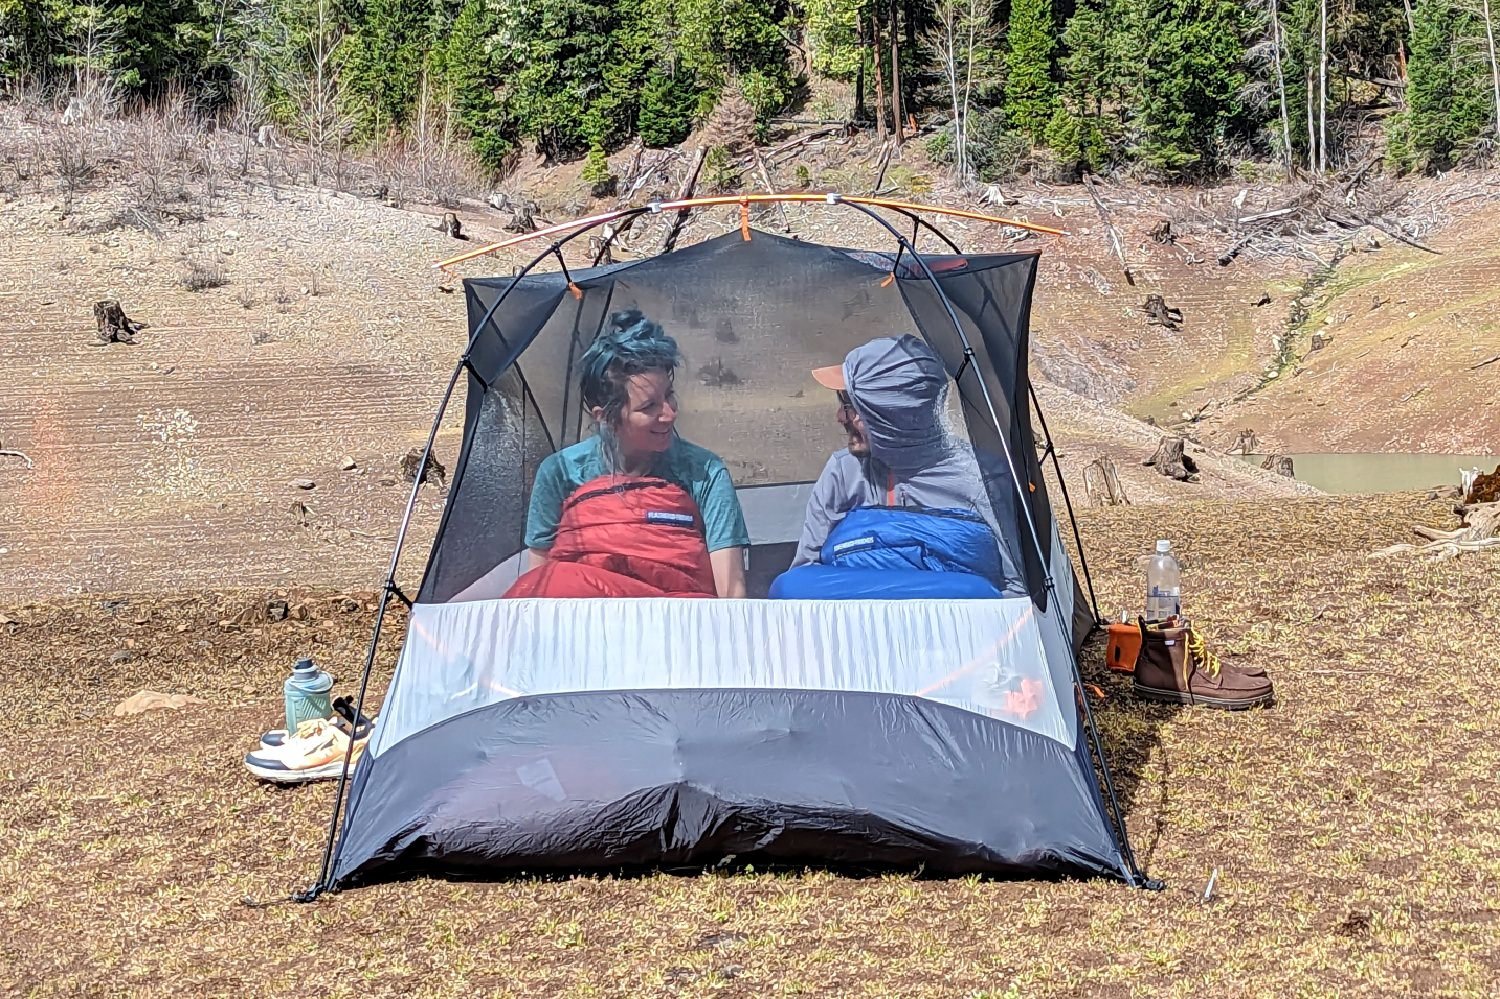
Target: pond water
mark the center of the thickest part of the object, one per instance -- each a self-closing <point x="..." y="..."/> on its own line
<point x="1381" y="473"/>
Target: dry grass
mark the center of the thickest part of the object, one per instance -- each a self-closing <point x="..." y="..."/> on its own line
<point x="1356" y="838"/>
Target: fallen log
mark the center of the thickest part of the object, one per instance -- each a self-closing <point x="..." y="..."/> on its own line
<point x="1173" y="461"/>
<point x="1480" y="531"/>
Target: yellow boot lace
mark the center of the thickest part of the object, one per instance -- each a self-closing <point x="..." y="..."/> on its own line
<point x="1198" y="650"/>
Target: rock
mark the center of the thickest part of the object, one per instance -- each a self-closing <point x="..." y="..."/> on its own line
<point x="347" y="464"/>
<point x="151" y="700"/>
<point x="122" y="656"/>
<point x="1264" y="299"/>
<point x="303" y="484"/>
<point x="413" y="469"/>
<point x="349" y="605"/>
<point x="387" y="481"/>
<point x="276" y="610"/>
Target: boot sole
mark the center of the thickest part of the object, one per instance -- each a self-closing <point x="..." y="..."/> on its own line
<point x="1224" y="703"/>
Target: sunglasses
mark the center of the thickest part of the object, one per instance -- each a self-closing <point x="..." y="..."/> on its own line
<point x="846" y="405"/>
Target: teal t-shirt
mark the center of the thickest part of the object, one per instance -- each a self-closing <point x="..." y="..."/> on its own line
<point x="695" y="469"/>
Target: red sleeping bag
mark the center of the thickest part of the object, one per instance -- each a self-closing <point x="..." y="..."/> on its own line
<point x="624" y="536"/>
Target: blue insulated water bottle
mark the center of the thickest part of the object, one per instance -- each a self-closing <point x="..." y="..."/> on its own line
<point x="306" y="694"/>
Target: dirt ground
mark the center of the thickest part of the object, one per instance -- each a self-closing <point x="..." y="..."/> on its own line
<point x="1351" y="826"/>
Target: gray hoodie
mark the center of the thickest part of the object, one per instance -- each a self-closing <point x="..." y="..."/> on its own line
<point x="899" y="387"/>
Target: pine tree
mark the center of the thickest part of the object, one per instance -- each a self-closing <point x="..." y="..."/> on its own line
<point x="1189" y="99"/>
<point x="667" y="105"/>
<point x="1030" y="95"/>
<point x="1082" y="130"/>
<point x="1445" y="100"/>
<point x="465" y="64"/>
<point x="381" y="65"/>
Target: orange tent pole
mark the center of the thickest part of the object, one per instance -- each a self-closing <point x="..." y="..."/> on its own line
<point x="742" y="199"/>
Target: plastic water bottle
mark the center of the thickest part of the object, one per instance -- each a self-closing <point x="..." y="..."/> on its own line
<point x="306" y="694"/>
<point x="1163" y="584"/>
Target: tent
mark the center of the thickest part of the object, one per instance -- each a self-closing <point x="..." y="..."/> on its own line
<point x="535" y="734"/>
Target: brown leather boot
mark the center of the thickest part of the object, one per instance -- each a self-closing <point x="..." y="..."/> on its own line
<point x="1176" y="667"/>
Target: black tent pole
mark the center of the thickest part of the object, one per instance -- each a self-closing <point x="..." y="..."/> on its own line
<point x="1122" y="837"/>
<point x="390" y="587"/>
<point x="1067" y="501"/>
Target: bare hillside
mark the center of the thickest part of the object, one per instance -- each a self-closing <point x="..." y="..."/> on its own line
<point x="173" y="463"/>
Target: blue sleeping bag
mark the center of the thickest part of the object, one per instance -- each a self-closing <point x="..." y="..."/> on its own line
<point x="894" y="553"/>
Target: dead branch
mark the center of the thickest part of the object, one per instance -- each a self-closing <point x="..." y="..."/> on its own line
<point x="1114" y="233"/>
<point x="18" y="454"/>
<point x="1487" y="360"/>
<point x="885" y="162"/>
<point x="682" y="195"/>
<point x="1389" y="230"/>
<point x="765" y="178"/>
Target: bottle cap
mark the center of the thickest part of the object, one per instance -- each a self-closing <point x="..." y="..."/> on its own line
<point x="1162" y="547"/>
<point x="304" y="666"/>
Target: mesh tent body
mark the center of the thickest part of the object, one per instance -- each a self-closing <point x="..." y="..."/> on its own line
<point x="536" y="734"/>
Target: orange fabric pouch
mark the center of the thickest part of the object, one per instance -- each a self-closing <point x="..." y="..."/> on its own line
<point x="1123" y="647"/>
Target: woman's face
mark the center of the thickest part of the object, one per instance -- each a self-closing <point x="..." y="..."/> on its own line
<point x="649" y="414"/>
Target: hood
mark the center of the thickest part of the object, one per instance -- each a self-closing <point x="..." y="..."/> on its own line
<point x="898" y="385"/>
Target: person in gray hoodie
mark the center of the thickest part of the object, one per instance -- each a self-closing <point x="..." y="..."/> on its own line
<point x="892" y="393"/>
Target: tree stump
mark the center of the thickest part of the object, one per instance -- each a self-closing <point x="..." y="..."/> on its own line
<point x="1101" y="483"/>
<point x="1280" y="464"/>
<point x="522" y="218"/>
<point x="1244" y="443"/>
<point x="1172" y="461"/>
<point x="114" y="326"/>
<point x="451" y="226"/>
<point x="1485" y="488"/>
<point x="1159" y="313"/>
<point x="413" y="469"/>
<point x="1162" y="232"/>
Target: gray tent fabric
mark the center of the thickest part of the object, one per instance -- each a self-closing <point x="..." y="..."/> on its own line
<point x="746" y="730"/>
<point x="618" y="780"/>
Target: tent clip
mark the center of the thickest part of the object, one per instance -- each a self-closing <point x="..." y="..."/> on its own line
<point x="468" y="363"/>
<point x="968" y="361"/>
<point x="395" y="591"/>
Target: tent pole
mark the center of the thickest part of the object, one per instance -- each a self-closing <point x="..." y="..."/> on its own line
<point x="1083" y="559"/>
<point x="1122" y="838"/>
<point x="325" y="870"/>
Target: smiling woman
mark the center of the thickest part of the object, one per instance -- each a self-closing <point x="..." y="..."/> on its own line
<point x="641" y="477"/>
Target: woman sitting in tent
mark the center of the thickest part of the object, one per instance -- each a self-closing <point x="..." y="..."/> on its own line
<point x="635" y="510"/>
